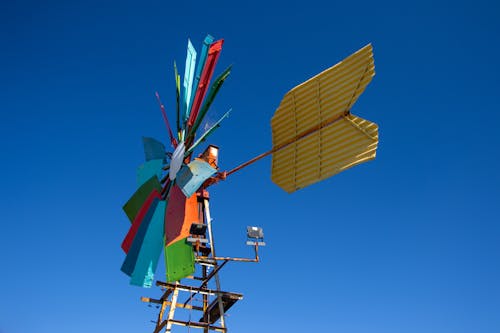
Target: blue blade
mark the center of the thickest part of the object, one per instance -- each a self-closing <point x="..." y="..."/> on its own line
<point x="188" y="78"/>
<point x="152" y="246"/>
<point x="128" y="265"/>
<point x="149" y="169"/>
<point x="153" y="149"/>
<point x="192" y="176"/>
<point x="199" y="68"/>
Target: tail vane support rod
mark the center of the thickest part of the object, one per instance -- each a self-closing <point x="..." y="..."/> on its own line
<point x="287" y="143"/>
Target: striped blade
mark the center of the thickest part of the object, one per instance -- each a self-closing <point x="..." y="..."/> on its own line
<point x="317" y="135"/>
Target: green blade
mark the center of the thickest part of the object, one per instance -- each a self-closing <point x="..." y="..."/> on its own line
<point x="179" y="259"/>
<point x="207" y="133"/>
<point x="214" y="89"/>
<point x="177" y="95"/>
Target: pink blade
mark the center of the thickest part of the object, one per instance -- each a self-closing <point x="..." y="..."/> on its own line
<point x="167" y="123"/>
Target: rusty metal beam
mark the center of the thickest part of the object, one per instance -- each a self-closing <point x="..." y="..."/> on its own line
<point x="213" y="260"/>
<point x="179" y="305"/>
<point x="208" y="278"/>
<point x="213" y="313"/>
<point x="171" y="311"/>
<point x="196" y="324"/>
<point x="151" y="300"/>
<point x="160" y="327"/>
<point x="195" y="289"/>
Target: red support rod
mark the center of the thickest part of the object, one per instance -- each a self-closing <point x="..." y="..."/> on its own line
<point x="287" y="143"/>
<point x="253" y="160"/>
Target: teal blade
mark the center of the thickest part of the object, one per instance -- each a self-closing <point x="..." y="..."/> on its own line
<point x="199" y="69"/>
<point x="188" y="79"/>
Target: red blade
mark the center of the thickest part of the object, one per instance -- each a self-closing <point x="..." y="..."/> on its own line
<point x="208" y="71"/>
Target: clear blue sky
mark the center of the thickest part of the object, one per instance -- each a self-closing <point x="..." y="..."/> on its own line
<point x="406" y="243"/>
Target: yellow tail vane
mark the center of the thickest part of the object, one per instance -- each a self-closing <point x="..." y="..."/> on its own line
<point x="314" y="134"/>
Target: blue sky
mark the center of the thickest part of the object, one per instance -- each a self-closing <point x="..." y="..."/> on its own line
<point x="406" y="243"/>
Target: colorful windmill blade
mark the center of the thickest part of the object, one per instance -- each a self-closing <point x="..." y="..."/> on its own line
<point x="314" y="134"/>
<point x="208" y="71"/>
<point x="162" y="215"/>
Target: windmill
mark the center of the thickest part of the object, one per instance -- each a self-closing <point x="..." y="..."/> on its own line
<point x="314" y="136"/>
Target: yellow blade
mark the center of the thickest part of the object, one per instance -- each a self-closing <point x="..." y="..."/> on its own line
<point x="314" y="135"/>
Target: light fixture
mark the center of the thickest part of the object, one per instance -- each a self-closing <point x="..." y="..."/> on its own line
<point x="255" y="236"/>
<point x="198" y="229"/>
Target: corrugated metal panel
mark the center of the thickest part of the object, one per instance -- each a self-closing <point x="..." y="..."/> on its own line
<point x="317" y="112"/>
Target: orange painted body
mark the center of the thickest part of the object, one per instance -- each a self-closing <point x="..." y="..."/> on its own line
<point x="181" y="213"/>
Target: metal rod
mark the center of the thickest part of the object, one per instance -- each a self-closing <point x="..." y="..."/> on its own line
<point x="212" y="248"/>
<point x="167" y="123"/>
<point x="177" y="286"/>
<point x="162" y="311"/>
<point x="205" y="297"/>
<point x="206" y="279"/>
<point x="172" y="309"/>
<point x="197" y="325"/>
<point x="289" y="142"/>
<point x="201" y="258"/>
<point x="165" y="303"/>
<point x="253" y="160"/>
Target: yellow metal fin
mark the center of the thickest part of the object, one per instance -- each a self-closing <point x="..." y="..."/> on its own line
<point x="314" y="134"/>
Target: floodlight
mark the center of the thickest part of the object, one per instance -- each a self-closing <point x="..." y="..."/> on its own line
<point x="255" y="236"/>
<point x="198" y="229"/>
<point x="255" y="232"/>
